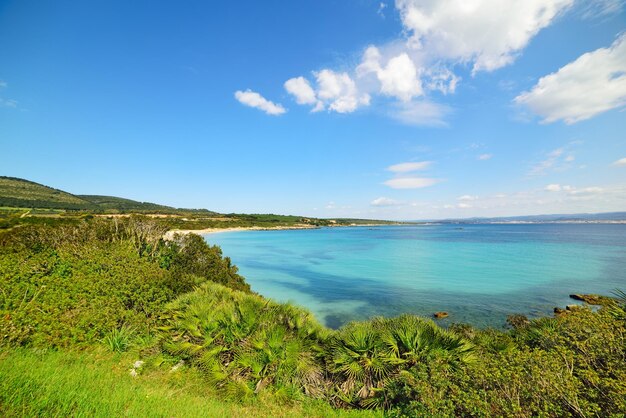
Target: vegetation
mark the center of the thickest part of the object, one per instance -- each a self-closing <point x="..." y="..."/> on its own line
<point x="23" y="202"/>
<point x="95" y="383"/>
<point x="81" y="301"/>
<point x="16" y="192"/>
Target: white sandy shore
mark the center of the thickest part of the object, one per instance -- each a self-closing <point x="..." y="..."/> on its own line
<point x="170" y="234"/>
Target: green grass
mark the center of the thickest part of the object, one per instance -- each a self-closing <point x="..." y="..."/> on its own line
<point x="98" y="384"/>
<point x="24" y="193"/>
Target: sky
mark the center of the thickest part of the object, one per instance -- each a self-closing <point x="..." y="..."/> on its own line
<point x="418" y="109"/>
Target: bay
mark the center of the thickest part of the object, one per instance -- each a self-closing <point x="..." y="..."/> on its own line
<point x="477" y="273"/>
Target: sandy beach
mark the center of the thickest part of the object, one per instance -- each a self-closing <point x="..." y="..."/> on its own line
<point x="170" y="234"/>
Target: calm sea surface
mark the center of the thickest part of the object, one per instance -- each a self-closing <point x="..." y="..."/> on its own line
<point x="478" y="273"/>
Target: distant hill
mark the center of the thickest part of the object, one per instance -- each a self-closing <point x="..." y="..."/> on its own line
<point x="575" y="217"/>
<point x="16" y="192"/>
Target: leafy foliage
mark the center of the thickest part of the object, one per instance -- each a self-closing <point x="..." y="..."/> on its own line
<point x="91" y="281"/>
<point x="71" y="284"/>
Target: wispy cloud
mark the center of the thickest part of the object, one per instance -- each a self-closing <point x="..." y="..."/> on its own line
<point x="8" y="103"/>
<point x="255" y="100"/>
<point x="384" y="201"/>
<point x="408" y="167"/>
<point x="467" y="198"/>
<point x="559" y="159"/>
<point x="484" y="157"/>
<point x="420" y="113"/>
<point x="620" y="162"/>
<point x="411" y="182"/>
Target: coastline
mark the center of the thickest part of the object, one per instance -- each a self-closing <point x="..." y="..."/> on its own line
<point x="208" y="231"/>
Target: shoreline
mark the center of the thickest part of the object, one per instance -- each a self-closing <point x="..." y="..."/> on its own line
<point x="208" y="231"/>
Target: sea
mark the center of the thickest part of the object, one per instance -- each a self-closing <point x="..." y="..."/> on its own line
<point x="479" y="274"/>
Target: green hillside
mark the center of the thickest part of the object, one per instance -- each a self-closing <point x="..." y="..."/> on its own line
<point x="22" y="193"/>
<point x="119" y="203"/>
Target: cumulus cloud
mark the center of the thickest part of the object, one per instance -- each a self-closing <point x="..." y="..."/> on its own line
<point x="438" y="35"/>
<point x="300" y="88"/>
<point x="411" y="182"/>
<point x="398" y="78"/>
<point x="408" y="167"/>
<point x="254" y="99"/>
<point x="620" y="162"/>
<point x="486" y="33"/>
<point x="484" y="157"/>
<point x="594" y="83"/>
<point x="339" y="92"/>
<point x="384" y="201"/>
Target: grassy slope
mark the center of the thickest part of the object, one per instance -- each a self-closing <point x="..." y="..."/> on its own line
<point x="18" y="193"/>
<point x="98" y="384"/>
<point x="24" y="193"/>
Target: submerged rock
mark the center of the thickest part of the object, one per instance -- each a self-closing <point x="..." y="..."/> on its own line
<point x="590" y="298"/>
<point x="440" y="315"/>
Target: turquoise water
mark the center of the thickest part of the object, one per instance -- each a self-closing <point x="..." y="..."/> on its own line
<point x="478" y="273"/>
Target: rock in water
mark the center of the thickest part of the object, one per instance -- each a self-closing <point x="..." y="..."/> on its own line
<point x="440" y="315"/>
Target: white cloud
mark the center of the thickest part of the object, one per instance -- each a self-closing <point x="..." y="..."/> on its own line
<point x="384" y="201"/>
<point x="620" y="162"/>
<point x="411" y="182"/>
<point x="466" y="198"/>
<point x="438" y="35"/>
<point x="487" y="33"/>
<point x="463" y="206"/>
<point x="553" y="188"/>
<point x="594" y="83"/>
<point x="254" y="99"/>
<point x="330" y="205"/>
<point x="300" y="88"/>
<point x="399" y="78"/>
<point x="339" y="92"/>
<point x="408" y="167"/>
<point x="484" y="157"/>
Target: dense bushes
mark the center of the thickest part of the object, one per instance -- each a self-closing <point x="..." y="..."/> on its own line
<point x="246" y="346"/>
<point x="107" y="280"/>
<point x="74" y="283"/>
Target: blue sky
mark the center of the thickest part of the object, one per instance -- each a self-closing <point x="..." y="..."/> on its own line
<point x="418" y="109"/>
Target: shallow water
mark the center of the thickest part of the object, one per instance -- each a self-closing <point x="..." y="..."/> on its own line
<point x="477" y="273"/>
